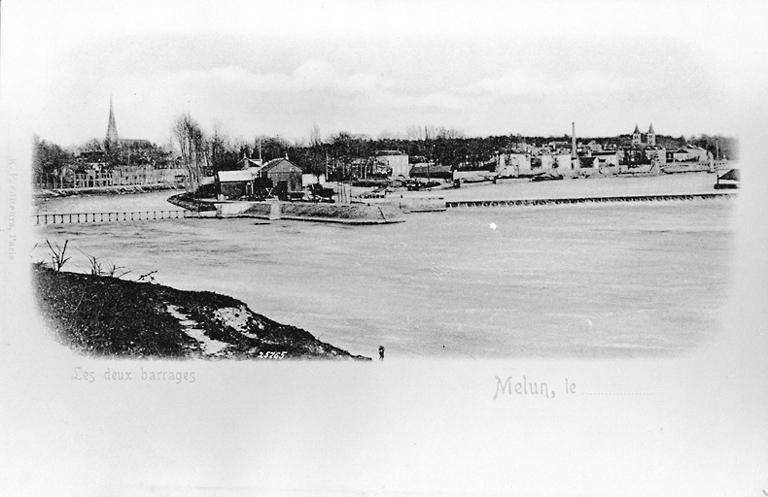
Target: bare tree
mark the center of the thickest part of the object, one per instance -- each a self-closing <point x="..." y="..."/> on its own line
<point x="414" y="133"/>
<point x="314" y="136"/>
<point x="449" y="133"/>
<point x="218" y="146"/>
<point x="194" y="148"/>
<point x="317" y="156"/>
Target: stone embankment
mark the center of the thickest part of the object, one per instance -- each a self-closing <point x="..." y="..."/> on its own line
<point x="356" y="213"/>
<point x="187" y="201"/>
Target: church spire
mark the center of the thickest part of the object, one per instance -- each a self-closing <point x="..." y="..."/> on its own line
<point x="111" y="126"/>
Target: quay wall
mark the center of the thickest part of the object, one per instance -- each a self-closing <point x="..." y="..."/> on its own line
<point x="186" y="201"/>
<point x="342" y="213"/>
<point x="301" y="211"/>
<point x="687" y="167"/>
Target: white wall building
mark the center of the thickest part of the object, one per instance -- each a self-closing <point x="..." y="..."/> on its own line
<point x="395" y="160"/>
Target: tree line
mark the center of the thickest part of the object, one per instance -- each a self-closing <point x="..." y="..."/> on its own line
<point x="204" y="152"/>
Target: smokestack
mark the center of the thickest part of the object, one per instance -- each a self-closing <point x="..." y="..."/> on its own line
<point x="573" y="139"/>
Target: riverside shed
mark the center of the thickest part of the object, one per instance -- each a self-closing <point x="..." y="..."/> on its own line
<point x="234" y="184"/>
<point x="285" y="175"/>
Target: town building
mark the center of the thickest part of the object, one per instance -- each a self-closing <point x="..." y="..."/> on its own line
<point x="513" y="164"/>
<point x="280" y="176"/>
<point x="589" y="162"/>
<point x="689" y="153"/>
<point x="607" y="158"/>
<point x="235" y="184"/>
<point x="649" y="139"/>
<point x="395" y="161"/>
<point x="113" y="138"/>
<point x="126" y="176"/>
<point x="519" y="164"/>
<point x="643" y="152"/>
<point x="431" y="171"/>
<point x="656" y="154"/>
<point x="284" y="175"/>
<point x="251" y="165"/>
<point x="122" y="162"/>
<point x="248" y="163"/>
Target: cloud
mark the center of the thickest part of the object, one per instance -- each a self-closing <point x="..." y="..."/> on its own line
<point x="313" y="75"/>
<point x="315" y="81"/>
<point x="444" y="101"/>
<point x="527" y="82"/>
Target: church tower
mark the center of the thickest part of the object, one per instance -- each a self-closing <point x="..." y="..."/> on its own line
<point x="637" y="138"/>
<point x="651" y="136"/>
<point x="111" y="126"/>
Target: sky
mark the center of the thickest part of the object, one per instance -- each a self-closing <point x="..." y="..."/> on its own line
<point x="371" y="67"/>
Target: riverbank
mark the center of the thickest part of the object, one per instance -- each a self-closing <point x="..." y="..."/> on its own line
<point x="187" y="201"/>
<point x="107" y="316"/>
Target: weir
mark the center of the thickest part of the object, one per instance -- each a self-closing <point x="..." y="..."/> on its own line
<point x="120" y="216"/>
<point x="585" y="200"/>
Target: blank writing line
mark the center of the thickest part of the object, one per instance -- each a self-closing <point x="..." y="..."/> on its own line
<point x="615" y="393"/>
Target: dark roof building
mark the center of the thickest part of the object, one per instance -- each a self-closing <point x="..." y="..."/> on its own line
<point x="283" y="173"/>
<point x="246" y="163"/>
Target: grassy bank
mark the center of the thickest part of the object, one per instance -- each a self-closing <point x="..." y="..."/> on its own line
<point x="107" y="316"/>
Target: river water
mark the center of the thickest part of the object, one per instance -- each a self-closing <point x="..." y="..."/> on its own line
<point x="604" y="280"/>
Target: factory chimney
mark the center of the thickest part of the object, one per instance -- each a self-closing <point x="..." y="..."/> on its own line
<point x="573" y="139"/>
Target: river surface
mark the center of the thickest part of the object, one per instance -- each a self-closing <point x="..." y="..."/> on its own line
<point x="621" y="279"/>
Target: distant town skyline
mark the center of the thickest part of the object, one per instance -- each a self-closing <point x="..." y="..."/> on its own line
<point x="282" y="79"/>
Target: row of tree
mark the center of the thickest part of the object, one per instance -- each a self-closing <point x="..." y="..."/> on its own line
<point x="48" y="160"/>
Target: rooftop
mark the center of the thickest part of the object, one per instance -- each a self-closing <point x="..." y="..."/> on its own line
<point x="227" y="176"/>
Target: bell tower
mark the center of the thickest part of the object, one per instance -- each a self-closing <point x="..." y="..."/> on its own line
<point x="651" y="136"/>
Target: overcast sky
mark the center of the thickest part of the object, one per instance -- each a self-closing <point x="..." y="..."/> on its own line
<point x="369" y="67"/>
